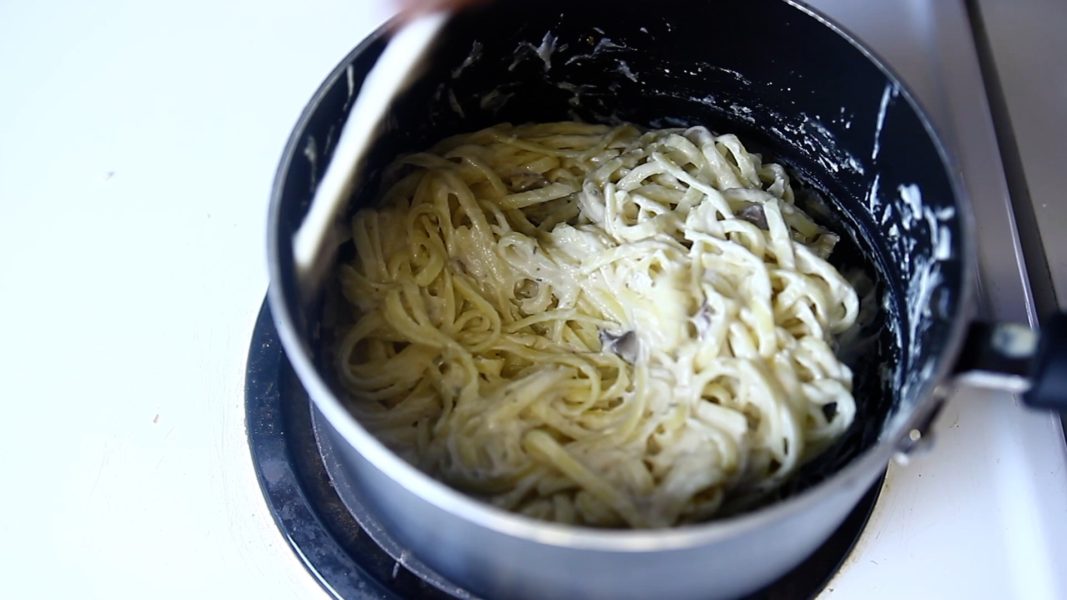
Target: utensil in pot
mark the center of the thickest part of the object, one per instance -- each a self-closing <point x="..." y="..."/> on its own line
<point x="788" y="82"/>
<point x="314" y="243"/>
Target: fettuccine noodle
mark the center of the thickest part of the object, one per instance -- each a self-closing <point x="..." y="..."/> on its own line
<point x="596" y="325"/>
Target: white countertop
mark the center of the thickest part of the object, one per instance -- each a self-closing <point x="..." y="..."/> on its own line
<point x="137" y="148"/>
<point x="138" y="141"/>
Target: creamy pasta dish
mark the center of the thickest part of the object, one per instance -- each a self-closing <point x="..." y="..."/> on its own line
<point x="596" y="325"/>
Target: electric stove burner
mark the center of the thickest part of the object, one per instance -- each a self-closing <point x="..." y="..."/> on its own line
<point x="341" y="544"/>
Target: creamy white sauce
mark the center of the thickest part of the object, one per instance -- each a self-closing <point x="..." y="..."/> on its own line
<point x="473" y="56"/>
<point x="544" y="51"/>
<point x="891" y="91"/>
<point x="311" y="153"/>
<point x="873" y="203"/>
<point x="624" y="69"/>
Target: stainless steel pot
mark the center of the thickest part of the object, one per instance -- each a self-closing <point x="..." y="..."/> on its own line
<point x="787" y="81"/>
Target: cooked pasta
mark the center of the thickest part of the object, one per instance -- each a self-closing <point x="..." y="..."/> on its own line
<point x="595" y="325"/>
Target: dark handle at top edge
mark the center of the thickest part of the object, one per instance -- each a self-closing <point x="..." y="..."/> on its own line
<point x="1014" y="358"/>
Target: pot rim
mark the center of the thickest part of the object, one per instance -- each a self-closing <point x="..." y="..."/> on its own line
<point x="859" y="472"/>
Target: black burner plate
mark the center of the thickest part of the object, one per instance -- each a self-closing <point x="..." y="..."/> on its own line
<point x="330" y="542"/>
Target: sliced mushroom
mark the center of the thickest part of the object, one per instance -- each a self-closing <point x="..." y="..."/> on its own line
<point x="626" y="346"/>
<point x="753" y="213"/>
<point x="702" y="319"/>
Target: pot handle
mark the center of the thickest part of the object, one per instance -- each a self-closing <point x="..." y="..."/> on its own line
<point x="1014" y="358"/>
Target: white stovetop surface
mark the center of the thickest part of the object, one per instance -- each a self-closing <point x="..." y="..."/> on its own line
<point x="138" y="142"/>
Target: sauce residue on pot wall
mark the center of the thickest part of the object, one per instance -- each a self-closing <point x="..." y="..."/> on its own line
<point x="807" y="132"/>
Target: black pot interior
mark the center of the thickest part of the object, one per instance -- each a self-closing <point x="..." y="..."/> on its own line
<point x="786" y="83"/>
